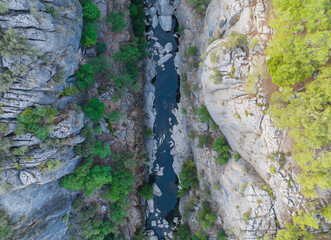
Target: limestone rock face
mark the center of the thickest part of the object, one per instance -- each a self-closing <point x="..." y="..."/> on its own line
<point x="30" y="191"/>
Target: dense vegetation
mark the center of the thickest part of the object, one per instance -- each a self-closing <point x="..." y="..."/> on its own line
<point x="116" y="21"/>
<point x="199" y="5"/>
<point x="222" y="150"/>
<point x="7" y="230"/>
<point x="37" y="120"/>
<point x="203" y="114"/>
<point x="206" y="216"/>
<point x="91" y="13"/>
<point x="299" y="50"/>
<point x="188" y="178"/>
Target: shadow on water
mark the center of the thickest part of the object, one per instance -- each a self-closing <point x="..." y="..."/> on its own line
<point x="167" y="96"/>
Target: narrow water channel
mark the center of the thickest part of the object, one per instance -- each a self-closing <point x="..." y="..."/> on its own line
<point x="166" y="85"/>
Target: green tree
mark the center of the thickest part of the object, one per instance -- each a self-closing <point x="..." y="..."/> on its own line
<point x="183" y="232"/>
<point x="222" y="151"/>
<point x="206" y="216"/>
<point x="100" y="64"/>
<point x="116" y="22"/>
<point x="203" y="114"/>
<point x="234" y="40"/>
<point x="146" y="191"/>
<point x="94" y="109"/>
<point x="85" y="76"/>
<point x="101" y="149"/>
<point x="89" y="34"/>
<point x="188" y="178"/>
<point x="91" y="12"/>
<point x="192" y="51"/>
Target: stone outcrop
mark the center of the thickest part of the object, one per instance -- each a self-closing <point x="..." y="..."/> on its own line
<point x="233" y="85"/>
<point x="30" y="192"/>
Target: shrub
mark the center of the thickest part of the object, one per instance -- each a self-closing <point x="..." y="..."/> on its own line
<point x="199" y="5"/>
<point x="221" y="235"/>
<point x="91" y="12"/>
<point x="236" y="156"/>
<point x="138" y="16"/>
<point x="216" y="77"/>
<point x="222" y="151"/>
<point x="101" y="47"/>
<point x="206" y="216"/>
<point x="85" y="76"/>
<point x="149" y="132"/>
<point x="204" y="140"/>
<point x="246" y="216"/>
<point x="37" y="120"/>
<point x="7" y="230"/>
<point x="203" y="114"/>
<point x="293" y="232"/>
<point x="3" y="7"/>
<point x="53" y="165"/>
<point x="100" y="64"/>
<point x="11" y="44"/>
<point x="116" y="22"/>
<point x="69" y="91"/>
<point x="182" y="232"/>
<point x="188" y="178"/>
<point x="192" y="51"/>
<point x="89" y="34"/>
<point x="94" y="109"/>
<point x="127" y="55"/>
<point x="234" y="40"/>
<point x="6" y="80"/>
<point x="252" y="44"/>
<point x="199" y="236"/>
<point x="213" y="126"/>
<point x="117" y="116"/>
<point x="101" y="149"/>
<point x="146" y="191"/>
<point x="20" y="151"/>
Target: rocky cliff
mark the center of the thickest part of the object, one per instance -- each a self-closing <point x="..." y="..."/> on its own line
<point x="49" y="32"/>
<point x="257" y="194"/>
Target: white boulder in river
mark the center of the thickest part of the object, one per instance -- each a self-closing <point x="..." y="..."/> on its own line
<point x="157" y="190"/>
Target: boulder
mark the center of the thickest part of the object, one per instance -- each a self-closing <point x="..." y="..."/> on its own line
<point x="166" y="23"/>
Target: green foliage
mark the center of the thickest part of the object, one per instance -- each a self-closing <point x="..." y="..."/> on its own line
<point x="65" y="217"/>
<point x="216" y="77"/>
<point x="20" y="151"/>
<point x="204" y="141"/>
<point x="199" y="236"/>
<point x="3" y="128"/>
<point x="101" y="149"/>
<point x="148" y="132"/>
<point x="37" y="120"/>
<point x="252" y="44"/>
<point x="199" y="5"/>
<point x="53" y="165"/>
<point x="89" y="34"/>
<point x="69" y="91"/>
<point x="307" y="114"/>
<point x="182" y="232"/>
<point x="91" y="12"/>
<point x="192" y="51"/>
<point x="137" y="14"/>
<point x="94" y="109"/>
<point x="188" y="178"/>
<point x="12" y="44"/>
<point x="146" y="191"/>
<point x="85" y="76"/>
<point x="247" y="216"/>
<point x="121" y="185"/>
<point x="301" y="42"/>
<point x="87" y="179"/>
<point x="128" y="54"/>
<point x="6" y="80"/>
<point x="7" y="230"/>
<point x="294" y="232"/>
<point x="236" y="156"/>
<point x="203" y="114"/>
<point x="3" y="7"/>
<point x="221" y="235"/>
<point x="326" y="212"/>
<point x="101" y="47"/>
<point x="206" y="216"/>
<point x="116" y="22"/>
<point x="117" y="116"/>
<point x="222" y="151"/>
<point x="234" y="40"/>
<point x="100" y="64"/>
<point x="272" y="170"/>
<point x="305" y="219"/>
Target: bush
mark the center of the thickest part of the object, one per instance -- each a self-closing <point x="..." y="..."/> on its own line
<point x="69" y="91"/>
<point x="94" y="109"/>
<point x="3" y="7"/>
<point x="146" y="191"/>
<point x="192" y="51"/>
<point x="116" y="22"/>
<point x="89" y="34"/>
<point x="199" y="5"/>
<point x="101" y="149"/>
<point x="206" y="216"/>
<point x="53" y="165"/>
<point x="252" y="44"/>
<point x="100" y="64"/>
<point x="101" y="47"/>
<point x="12" y="44"/>
<point x="222" y="151"/>
<point x="188" y="178"/>
<point x="236" y="156"/>
<point x="199" y="236"/>
<point x="85" y="76"/>
<point x="234" y="40"/>
<point x="7" y="230"/>
<point x="221" y="235"/>
<point x="138" y="16"/>
<point x="182" y="232"/>
<point x="117" y="116"/>
<point x="37" y="120"/>
<point x="6" y="80"/>
<point x="204" y="140"/>
<point x="91" y="12"/>
<point x="203" y="114"/>
<point x="127" y="55"/>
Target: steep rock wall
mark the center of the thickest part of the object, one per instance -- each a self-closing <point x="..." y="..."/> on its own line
<point x="31" y="196"/>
